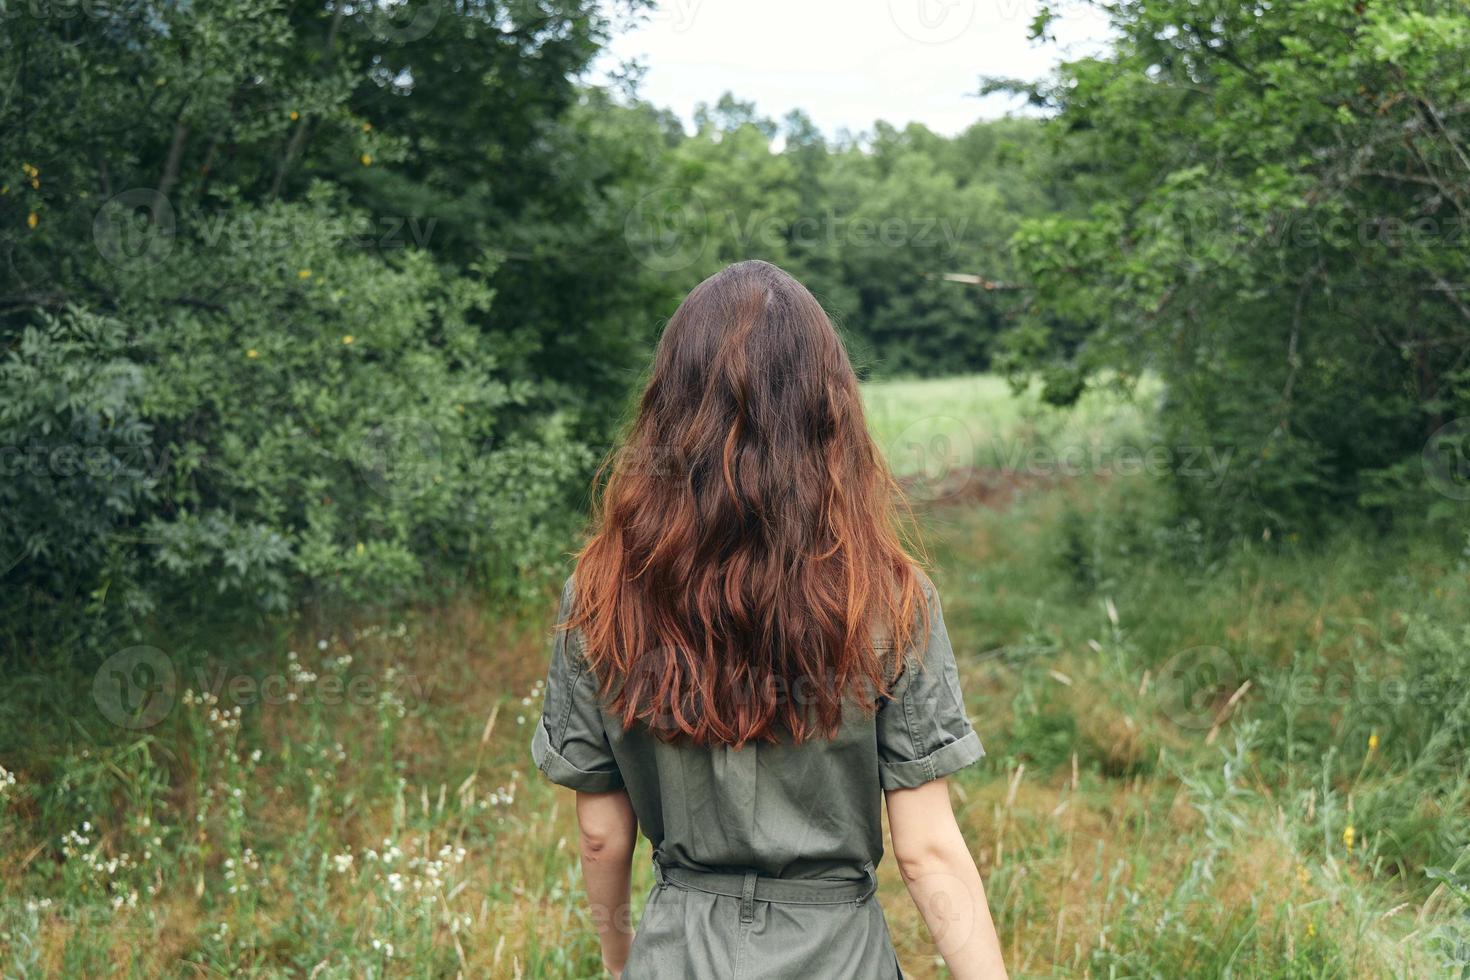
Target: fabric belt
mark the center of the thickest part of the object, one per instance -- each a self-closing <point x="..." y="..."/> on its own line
<point x="750" y="887"/>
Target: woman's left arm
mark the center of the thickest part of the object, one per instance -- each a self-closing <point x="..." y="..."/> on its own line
<point x="609" y="830"/>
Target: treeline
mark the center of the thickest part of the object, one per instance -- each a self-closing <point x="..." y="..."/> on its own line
<point x="902" y="233"/>
<point x="346" y="300"/>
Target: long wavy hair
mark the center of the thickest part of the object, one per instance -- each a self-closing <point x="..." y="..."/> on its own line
<point x="745" y="574"/>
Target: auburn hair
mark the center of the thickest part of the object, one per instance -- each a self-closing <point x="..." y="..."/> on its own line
<point x="745" y="572"/>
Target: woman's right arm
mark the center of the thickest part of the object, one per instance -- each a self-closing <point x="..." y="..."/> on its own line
<point x="943" y="881"/>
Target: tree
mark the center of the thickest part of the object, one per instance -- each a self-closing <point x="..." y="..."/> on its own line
<point x="1277" y="192"/>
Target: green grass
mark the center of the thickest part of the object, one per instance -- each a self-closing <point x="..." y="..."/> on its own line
<point x="929" y="428"/>
<point x="1179" y="741"/>
<point x="1178" y="747"/>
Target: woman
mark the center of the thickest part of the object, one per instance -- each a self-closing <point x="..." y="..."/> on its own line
<point x="747" y="660"/>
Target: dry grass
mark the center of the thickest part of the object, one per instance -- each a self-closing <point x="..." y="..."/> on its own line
<point x="1112" y="841"/>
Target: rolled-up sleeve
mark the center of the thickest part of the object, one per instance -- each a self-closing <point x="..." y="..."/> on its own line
<point x="570" y="744"/>
<point x="923" y="730"/>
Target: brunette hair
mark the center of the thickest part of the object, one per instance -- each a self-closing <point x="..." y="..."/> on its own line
<point x="745" y="573"/>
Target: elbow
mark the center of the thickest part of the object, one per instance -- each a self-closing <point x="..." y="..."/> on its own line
<point x="920" y="859"/>
<point x="607" y="826"/>
<point x="601" y="845"/>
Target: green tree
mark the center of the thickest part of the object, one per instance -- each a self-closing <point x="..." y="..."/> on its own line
<point x="292" y="303"/>
<point x="1276" y="198"/>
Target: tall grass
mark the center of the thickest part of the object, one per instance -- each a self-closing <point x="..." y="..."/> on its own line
<point x="1201" y="765"/>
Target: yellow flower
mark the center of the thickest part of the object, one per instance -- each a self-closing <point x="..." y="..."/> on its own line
<point x="367" y="160"/>
<point x="1348" y="834"/>
<point x="1373" y="742"/>
<point x="367" y="127"/>
<point x="252" y="353"/>
<point x="348" y="339"/>
<point x="1301" y="874"/>
<point x="1311" y="929"/>
<point x="360" y="548"/>
<point x="33" y="219"/>
<point x="295" y="115"/>
<point x="304" y="274"/>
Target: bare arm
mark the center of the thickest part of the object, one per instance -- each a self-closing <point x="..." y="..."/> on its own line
<point x="609" y="831"/>
<point x="943" y="881"/>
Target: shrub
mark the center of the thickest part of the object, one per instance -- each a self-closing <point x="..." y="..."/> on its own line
<point x="268" y="416"/>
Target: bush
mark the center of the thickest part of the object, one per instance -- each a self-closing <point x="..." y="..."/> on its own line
<point x="267" y="416"/>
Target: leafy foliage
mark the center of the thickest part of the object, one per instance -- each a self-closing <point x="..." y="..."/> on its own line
<point x="270" y="327"/>
<point x="1278" y="224"/>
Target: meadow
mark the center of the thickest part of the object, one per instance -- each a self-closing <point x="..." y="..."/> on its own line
<point x="1202" y="763"/>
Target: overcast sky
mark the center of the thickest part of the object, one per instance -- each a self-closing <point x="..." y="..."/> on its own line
<point x="848" y="63"/>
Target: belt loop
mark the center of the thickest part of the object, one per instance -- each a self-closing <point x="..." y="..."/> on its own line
<point x="747" y="898"/>
<point x="658" y="871"/>
<point x="872" y="875"/>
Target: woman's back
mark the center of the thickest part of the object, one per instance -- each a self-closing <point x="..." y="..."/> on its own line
<point x="747" y="659"/>
<point x="781" y="811"/>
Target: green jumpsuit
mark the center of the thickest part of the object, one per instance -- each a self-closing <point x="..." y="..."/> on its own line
<point x="764" y="856"/>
